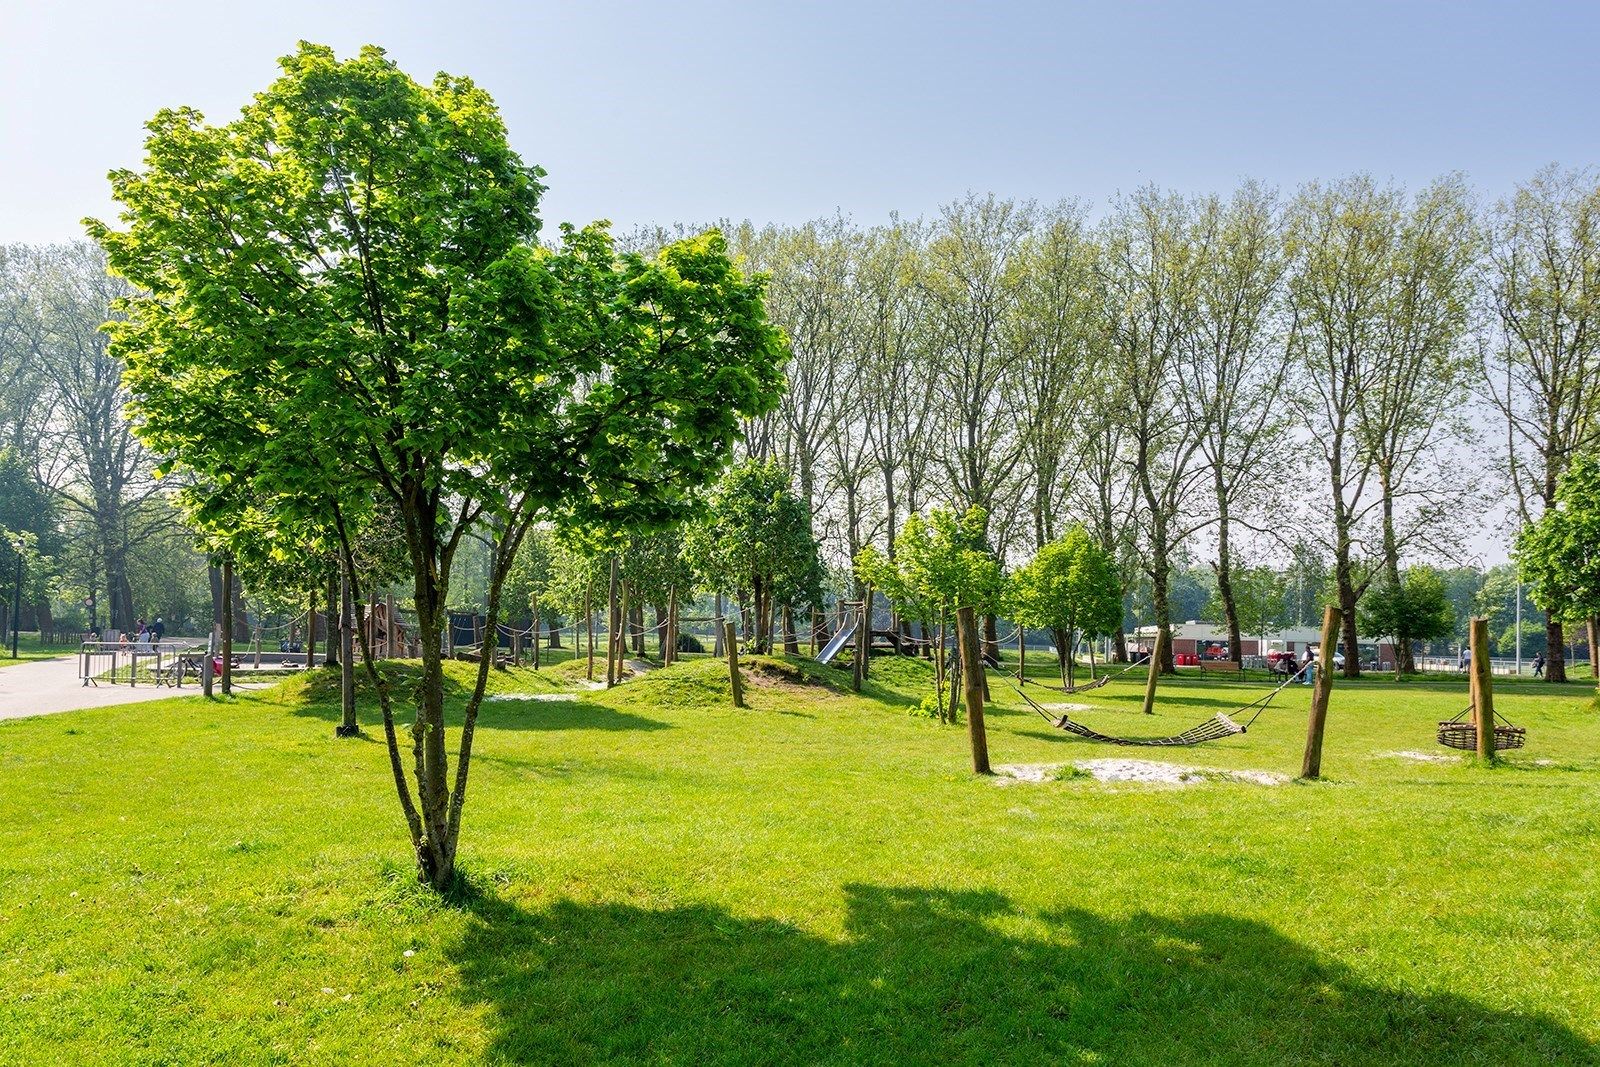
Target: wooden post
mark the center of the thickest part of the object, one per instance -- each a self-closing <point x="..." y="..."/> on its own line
<point x="1482" y="688"/>
<point x="1022" y="655"/>
<point x="207" y="671"/>
<point x="311" y="631"/>
<point x="1155" y="670"/>
<point x="1311" y="767"/>
<point x="624" y="615"/>
<point x="972" y="683"/>
<point x="858" y="672"/>
<point x="669" y="654"/>
<point x="535" y="605"/>
<point x="731" y="640"/>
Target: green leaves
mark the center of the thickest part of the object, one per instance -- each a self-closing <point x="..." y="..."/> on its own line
<point x="1559" y="555"/>
<point x="941" y="563"/>
<point x="1071" y="586"/>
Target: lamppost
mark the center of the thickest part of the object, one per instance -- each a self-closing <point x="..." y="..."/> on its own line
<point x="1519" y="627"/>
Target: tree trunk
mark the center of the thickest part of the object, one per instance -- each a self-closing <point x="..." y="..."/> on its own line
<point x="1224" y="571"/>
<point x="227" y="626"/>
<point x="588" y="623"/>
<point x="1159" y="578"/>
<point x="311" y="628"/>
<point x="612" y="626"/>
<point x="330" y="624"/>
<point x="1594" y="649"/>
<point x="791" y="640"/>
<point x="972" y="681"/>
<point x="348" y="727"/>
<point x="1555" y="652"/>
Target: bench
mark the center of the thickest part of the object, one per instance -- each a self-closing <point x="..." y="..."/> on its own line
<point x="1226" y="666"/>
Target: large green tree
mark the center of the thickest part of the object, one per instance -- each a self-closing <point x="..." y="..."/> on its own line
<point x="341" y="291"/>
<point x="1559" y="554"/>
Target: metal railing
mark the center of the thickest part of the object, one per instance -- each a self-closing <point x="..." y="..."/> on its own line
<point x="132" y="662"/>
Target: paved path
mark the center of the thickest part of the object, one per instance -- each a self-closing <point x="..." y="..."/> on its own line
<point x="47" y="686"/>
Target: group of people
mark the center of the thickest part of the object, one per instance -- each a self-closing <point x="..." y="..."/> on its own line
<point x="145" y="638"/>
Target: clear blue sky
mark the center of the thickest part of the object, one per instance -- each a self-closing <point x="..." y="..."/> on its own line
<point x="691" y="111"/>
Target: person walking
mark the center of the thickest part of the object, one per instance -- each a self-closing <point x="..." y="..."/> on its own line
<point x="158" y="630"/>
<point x="1538" y="665"/>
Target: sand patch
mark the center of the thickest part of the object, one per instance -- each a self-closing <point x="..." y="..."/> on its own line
<point x="529" y="696"/>
<point x="1424" y="757"/>
<point x="1067" y="707"/>
<point x="1148" y="772"/>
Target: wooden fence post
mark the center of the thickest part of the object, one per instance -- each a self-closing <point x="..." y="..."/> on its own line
<point x="1155" y="669"/>
<point x="1311" y="766"/>
<point x="731" y="640"/>
<point x="1482" y="687"/>
<point x="858" y="671"/>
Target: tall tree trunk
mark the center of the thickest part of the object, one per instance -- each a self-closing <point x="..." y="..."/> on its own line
<point x="311" y="628"/>
<point x="1159" y="578"/>
<point x="972" y="681"/>
<point x="227" y="626"/>
<point x="1224" y="570"/>
<point x="1555" y="652"/>
<point x="991" y="639"/>
<point x="1404" y="663"/>
<point x="613" y="624"/>
<point x="348" y="727"/>
<point x="791" y="640"/>
<point x="330" y="621"/>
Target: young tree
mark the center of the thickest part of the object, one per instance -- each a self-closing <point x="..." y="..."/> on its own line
<point x="755" y="539"/>
<point x="1070" y="588"/>
<point x="1417" y="608"/>
<point x="1542" y="368"/>
<point x="340" y="290"/>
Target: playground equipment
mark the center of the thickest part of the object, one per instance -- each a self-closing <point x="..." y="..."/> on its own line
<point x="1456" y="733"/>
<point x="837" y="641"/>
<point x="1215" y="728"/>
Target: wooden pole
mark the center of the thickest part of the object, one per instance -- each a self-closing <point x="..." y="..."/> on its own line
<point x="858" y="671"/>
<point x="669" y="654"/>
<point x="1482" y="688"/>
<point x="731" y="640"/>
<point x="624" y="614"/>
<point x="972" y="683"/>
<point x="1022" y="654"/>
<point x="1155" y="670"/>
<point x="311" y="629"/>
<point x="535" y="605"/>
<point x="1311" y="767"/>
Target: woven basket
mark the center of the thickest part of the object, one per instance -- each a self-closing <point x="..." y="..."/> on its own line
<point x="1464" y="735"/>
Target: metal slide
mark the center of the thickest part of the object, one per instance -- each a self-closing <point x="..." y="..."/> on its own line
<point x="831" y="649"/>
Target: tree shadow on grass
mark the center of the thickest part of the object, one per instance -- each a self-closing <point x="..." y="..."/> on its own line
<point x="933" y="976"/>
<point x="564" y="713"/>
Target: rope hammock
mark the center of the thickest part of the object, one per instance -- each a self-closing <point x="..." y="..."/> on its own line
<point x="1213" y="729"/>
<point x="1464" y="735"/>
<point x="1104" y="679"/>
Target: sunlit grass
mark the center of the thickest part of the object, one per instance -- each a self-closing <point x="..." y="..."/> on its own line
<point x="654" y="875"/>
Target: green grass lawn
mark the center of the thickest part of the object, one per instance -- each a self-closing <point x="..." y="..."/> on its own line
<point x="654" y="876"/>
<point x="29" y="649"/>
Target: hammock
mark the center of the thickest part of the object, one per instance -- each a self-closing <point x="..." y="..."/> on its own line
<point x="1087" y="686"/>
<point x="1464" y="735"/>
<point x="1213" y="729"/>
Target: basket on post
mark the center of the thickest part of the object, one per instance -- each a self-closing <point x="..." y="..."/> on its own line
<point x="1462" y="733"/>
